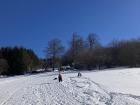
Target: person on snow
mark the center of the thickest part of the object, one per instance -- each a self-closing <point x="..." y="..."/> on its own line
<point x="60" y="77"/>
<point x="79" y="74"/>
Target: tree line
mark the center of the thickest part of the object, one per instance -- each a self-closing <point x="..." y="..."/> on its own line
<point x="90" y="54"/>
<point x="17" y="60"/>
<point x="81" y="54"/>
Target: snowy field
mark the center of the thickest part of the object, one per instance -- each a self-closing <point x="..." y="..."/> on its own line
<point x="112" y="87"/>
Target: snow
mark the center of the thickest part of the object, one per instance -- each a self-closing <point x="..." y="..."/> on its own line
<point x="121" y="81"/>
<point x="112" y="87"/>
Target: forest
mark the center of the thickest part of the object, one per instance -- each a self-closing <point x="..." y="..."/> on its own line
<point x="17" y="60"/>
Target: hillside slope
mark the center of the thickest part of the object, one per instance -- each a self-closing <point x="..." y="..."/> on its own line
<point x="41" y="89"/>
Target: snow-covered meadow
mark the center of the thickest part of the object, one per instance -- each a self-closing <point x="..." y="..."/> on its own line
<point x="125" y="81"/>
<point x="110" y="87"/>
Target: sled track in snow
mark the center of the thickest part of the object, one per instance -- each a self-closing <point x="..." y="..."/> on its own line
<point x="93" y="91"/>
<point x="44" y="94"/>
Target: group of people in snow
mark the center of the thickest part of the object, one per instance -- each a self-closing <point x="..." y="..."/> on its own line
<point x="60" y="79"/>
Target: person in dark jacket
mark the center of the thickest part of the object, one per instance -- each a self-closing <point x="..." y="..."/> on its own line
<point x="60" y="77"/>
<point x="79" y="74"/>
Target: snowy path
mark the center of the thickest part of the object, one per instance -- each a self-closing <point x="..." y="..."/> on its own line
<point x="43" y="90"/>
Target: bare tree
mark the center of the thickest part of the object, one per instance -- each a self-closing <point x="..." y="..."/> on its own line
<point x="77" y="45"/>
<point x="54" y="50"/>
<point x="92" y="41"/>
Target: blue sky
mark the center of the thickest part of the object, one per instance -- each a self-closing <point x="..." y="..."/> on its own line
<point x="32" y="23"/>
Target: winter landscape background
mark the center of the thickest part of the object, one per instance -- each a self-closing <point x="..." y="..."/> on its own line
<point x="69" y="52"/>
